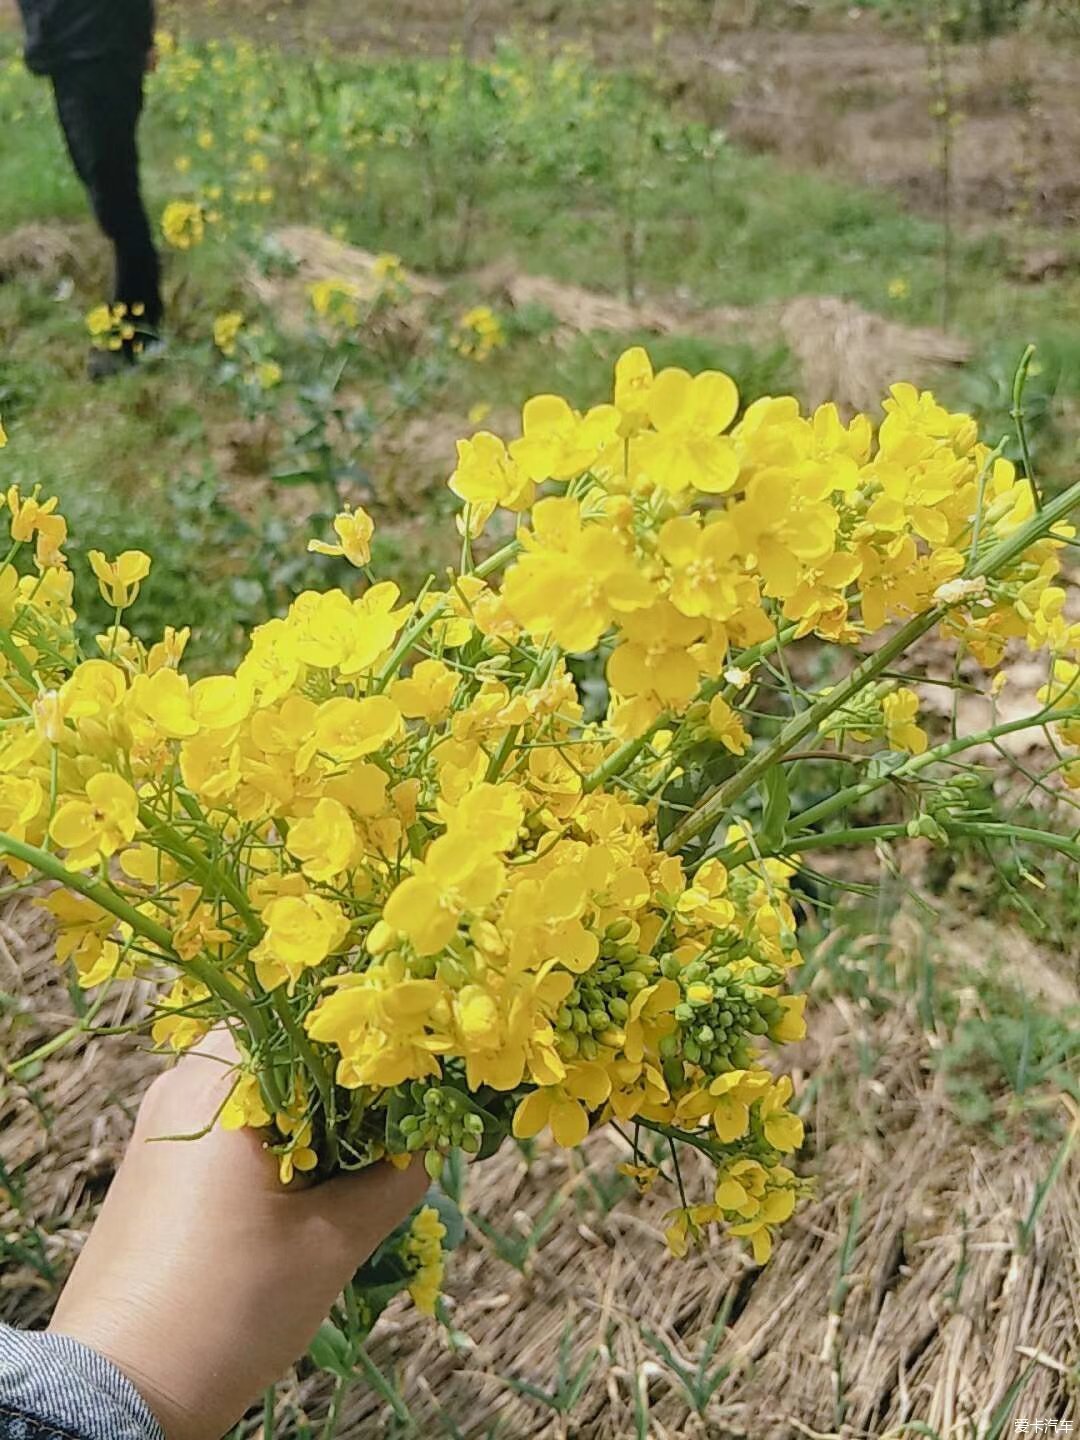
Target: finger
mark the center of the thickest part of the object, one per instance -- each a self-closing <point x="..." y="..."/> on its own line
<point x="366" y="1206"/>
<point x="218" y="1045"/>
<point x="187" y="1099"/>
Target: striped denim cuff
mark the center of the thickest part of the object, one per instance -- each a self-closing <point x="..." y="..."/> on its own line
<point x="51" y="1384"/>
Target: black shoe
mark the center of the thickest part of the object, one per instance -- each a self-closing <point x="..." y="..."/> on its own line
<point x="151" y="349"/>
<point x="103" y="364"/>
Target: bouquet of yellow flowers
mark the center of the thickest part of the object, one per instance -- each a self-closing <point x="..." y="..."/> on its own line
<point x="514" y="856"/>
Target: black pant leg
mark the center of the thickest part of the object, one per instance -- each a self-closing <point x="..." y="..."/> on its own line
<point x="99" y="103"/>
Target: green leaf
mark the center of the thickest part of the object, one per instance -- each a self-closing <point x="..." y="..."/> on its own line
<point x="377" y="1297"/>
<point x="580" y="1380"/>
<point x="295" y="477"/>
<point x="399" y="1106"/>
<point x="450" y="1215"/>
<point x="534" y="1392"/>
<point x="331" y="1351"/>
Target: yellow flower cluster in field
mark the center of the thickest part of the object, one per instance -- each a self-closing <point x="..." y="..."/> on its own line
<point x="478" y="334"/>
<point x="433" y="899"/>
<point x="423" y="1253"/>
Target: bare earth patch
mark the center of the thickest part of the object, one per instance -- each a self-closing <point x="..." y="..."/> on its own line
<point x="859" y="102"/>
<point x="308" y="255"/>
<point x="845" y="353"/>
<point x="45" y="252"/>
<point x="850" y="355"/>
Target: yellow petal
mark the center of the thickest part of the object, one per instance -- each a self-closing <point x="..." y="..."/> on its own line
<point x="668" y="398"/>
<point x="531" y="1115"/>
<point x="784" y="1131"/>
<point x="713" y="401"/>
<point x="569" y="1123"/>
<point x="778" y="1206"/>
<point x="730" y="1195"/>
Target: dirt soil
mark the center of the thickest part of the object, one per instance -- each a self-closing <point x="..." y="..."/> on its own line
<point x="859" y="103"/>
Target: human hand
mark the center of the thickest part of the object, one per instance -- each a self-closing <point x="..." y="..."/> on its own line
<point x="203" y="1279"/>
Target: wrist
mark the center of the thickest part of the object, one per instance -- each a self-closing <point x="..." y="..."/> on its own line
<point x="142" y="1372"/>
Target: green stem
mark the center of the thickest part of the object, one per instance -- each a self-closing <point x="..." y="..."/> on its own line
<point x="1019" y="417"/>
<point x="711" y="809"/>
<point x="54" y="869"/>
<point x="409" y="636"/>
<point x="980" y="497"/>
<point x="308" y="1054"/>
<point x="18" y="659"/>
<point x="419" y="628"/>
<point x="333" y="1415"/>
<point x="210" y="874"/>
<point x="685" y="1137"/>
<point x="221" y="986"/>
<point x="1001" y="830"/>
<point x="383" y="1387"/>
<point x="58" y="1042"/>
<point x="826" y="809"/>
<point x="541" y="673"/>
<point x="501" y="755"/>
<point x="1033" y="530"/>
<point x="982" y="829"/>
<point x="622" y="758"/>
<point x="103" y="896"/>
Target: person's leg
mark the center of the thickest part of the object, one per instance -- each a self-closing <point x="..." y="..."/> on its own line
<point x="99" y="106"/>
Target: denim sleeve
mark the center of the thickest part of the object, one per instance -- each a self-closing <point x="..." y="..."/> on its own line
<point x="52" y="1388"/>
